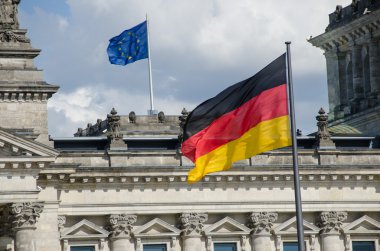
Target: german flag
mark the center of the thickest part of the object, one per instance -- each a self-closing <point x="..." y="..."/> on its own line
<point x="244" y="120"/>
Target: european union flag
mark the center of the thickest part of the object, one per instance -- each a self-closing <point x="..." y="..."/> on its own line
<point x="131" y="45"/>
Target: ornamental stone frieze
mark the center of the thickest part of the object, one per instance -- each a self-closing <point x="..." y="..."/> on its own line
<point x="121" y="225"/>
<point x="331" y="222"/>
<point x="26" y="214"/>
<point x="262" y="222"/>
<point x="192" y="223"/>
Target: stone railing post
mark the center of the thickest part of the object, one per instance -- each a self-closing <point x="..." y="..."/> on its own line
<point x="192" y="229"/>
<point x="331" y="227"/>
<point x="261" y="224"/>
<point x="24" y="217"/>
<point x="121" y="228"/>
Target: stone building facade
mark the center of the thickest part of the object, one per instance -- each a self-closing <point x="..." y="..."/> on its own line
<point x="351" y="47"/>
<point x="120" y="184"/>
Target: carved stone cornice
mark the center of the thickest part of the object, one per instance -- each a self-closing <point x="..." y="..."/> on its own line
<point x="331" y="222"/>
<point x="121" y="225"/>
<point x="262" y="222"/>
<point x="25" y="215"/>
<point x="192" y="223"/>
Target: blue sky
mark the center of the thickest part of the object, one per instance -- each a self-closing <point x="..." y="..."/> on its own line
<point x="196" y="45"/>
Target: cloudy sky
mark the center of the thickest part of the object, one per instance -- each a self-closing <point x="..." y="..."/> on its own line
<point x="198" y="48"/>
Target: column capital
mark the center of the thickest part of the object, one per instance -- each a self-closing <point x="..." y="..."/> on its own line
<point x="121" y="225"/>
<point x="331" y="222"/>
<point x="192" y="223"/>
<point x="262" y="222"/>
<point x="25" y="215"/>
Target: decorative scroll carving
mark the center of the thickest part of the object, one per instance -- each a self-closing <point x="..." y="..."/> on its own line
<point x="8" y="14"/>
<point x="312" y="242"/>
<point x="209" y="243"/>
<point x="331" y="222"/>
<point x="192" y="223"/>
<point x="138" y="244"/>
<point x="278" y="242"/>
<point x="25" y="214"/>
<point x="10" y="36"/>
<point x="323" y="137"/>
<point x="173" y="243"/>
<point x="262" y="222"/>
<point x="121" y="225"/>
<point x="243" y="243"/>
<point x="102" y="244"/>
<point x="347" y="242"/>
<point x="61" y="222"/>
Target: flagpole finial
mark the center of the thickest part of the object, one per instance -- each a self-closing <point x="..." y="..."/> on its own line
<point x="288" y="42"/>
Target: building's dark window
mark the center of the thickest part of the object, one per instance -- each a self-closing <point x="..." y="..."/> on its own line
<point x="154" y="247"/>
<point x="363" y="246"/>
<point x="225" y="247"/>
<point x="290" y="246"/>
<point x="83" y="248"/>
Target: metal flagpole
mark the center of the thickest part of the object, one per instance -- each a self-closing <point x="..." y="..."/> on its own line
<point x="297" y="191"/>
<point x="151" y="111"/>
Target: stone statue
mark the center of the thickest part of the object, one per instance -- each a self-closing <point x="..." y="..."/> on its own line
<point x="8" y="14"/>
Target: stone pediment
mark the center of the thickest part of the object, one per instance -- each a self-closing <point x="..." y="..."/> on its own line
<point x="290" y="227"/>
<point x="363" y="225"/>
<point x="12" y="145"/>
<point x="156" y="228"/>
<point x="17" y="152"/>
<point x="84" y="230"/>
<point x="227" y="226"/>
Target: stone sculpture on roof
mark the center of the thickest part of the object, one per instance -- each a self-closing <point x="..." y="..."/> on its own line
<point x="8" y="14"/>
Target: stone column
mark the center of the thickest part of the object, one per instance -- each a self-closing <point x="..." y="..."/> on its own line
<point x="334" y="80"/>
<point x="24" y="218"/>
<point x="192" y="228"/>
<point x="121" y="228"/>
<point x="357" y="72"/>
<point x="374" y="67"/>
<point x="331" y="227"/>
<point x="261" y="224"/>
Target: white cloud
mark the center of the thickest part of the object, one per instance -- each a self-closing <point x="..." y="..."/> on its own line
<point x="195" y="45"/>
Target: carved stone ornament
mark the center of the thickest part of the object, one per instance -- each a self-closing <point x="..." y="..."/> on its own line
<point x="8" y="14"/>
<point x="323" y="136"/>
<point x="61" y="222"/>
<point x="161" y="117"/>
<point x="182" y="122"/>
<point x="192" y="223"/>
<point x="121" y="225"/>
<point x="338" y="12"/>
<point x="355" y="6"/>
<point x="331" y="222"/>
<point x="132" y="117"/>
<point x="25" y="215"/>
<point x="114" y="136"/>
<point x="10" y="36"/>
<point x="262" y="222"/>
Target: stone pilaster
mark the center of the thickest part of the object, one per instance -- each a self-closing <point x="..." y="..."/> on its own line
<point x="121" y="228"/>
<point x="261" y="224"/>
<point x="192" y="229"/>
<point x="334" y="80"/>
<point x="357" y="72"/>
<point x="24" y="217"/>
<point x="331" y="227"/>
<point x="374" y="67"/>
